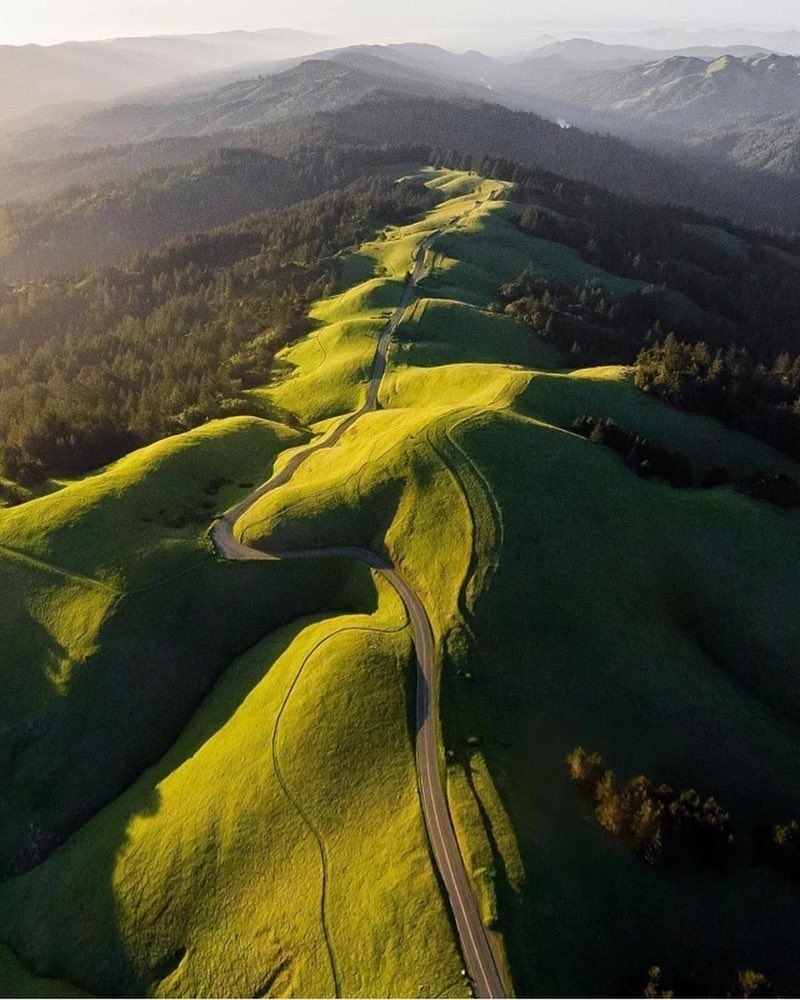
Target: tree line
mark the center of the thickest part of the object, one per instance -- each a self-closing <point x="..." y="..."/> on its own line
<point x="95" y="366"/>
<point x="664" y="826"/>
<point x="89" y="226"/>
<point x="729" y="384"/>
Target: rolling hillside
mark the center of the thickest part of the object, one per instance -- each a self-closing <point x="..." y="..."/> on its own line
<point x="255" y="826"/>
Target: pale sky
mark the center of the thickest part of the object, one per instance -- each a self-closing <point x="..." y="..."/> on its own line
<point x="48" y="21"/>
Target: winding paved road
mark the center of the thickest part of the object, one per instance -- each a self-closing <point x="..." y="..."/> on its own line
<point x="475" y="946"/>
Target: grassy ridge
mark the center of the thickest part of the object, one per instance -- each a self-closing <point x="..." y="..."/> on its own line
<point x="274" y="843"/>
<point x="153" y="843"/>
<point x="656" y="624"/>
<point x="440" y="332"/>
<point x="120" y="618"/>
<point x="235" y="806"/>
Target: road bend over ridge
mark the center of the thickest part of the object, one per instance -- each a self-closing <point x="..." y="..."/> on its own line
<point x="475" y="946"/>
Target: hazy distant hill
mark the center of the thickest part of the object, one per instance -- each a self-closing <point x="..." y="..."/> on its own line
<point x="39" y="178"/>
<point x="588" y="54"/>
<point x="771" y="144"/>
<point x="35" y="75"/>
<point x="313" y="85"/>
<point x="418" y="94"/>
<point x="677" y="38"/>
<point x="686" y="91"/>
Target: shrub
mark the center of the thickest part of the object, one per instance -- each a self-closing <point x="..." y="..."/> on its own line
<point x="645" y="458"/>
<point x="658" y="823"/>
<point x="782" y="848"/>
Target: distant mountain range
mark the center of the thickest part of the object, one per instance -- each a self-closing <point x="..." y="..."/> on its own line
<point x="587" y="54"/>
<point x="687" y="91"/>
<point x="676" y="38"/>
<point x="311" y="86"/>
<point x="32" y="76"/>
<point x="718" y="132"/>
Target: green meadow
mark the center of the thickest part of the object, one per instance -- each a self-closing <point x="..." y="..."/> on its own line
<point x="209" y="767"/>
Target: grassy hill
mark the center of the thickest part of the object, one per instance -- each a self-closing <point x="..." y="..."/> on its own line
<point x="224" y="751"/>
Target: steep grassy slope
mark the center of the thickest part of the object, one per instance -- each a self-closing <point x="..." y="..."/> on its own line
<point x="127" y="656"/>
<point x="657" y="625"/>
<point x="262" y="834"/>
<point x="291" y="900"/>
<point x="118" y="620"/>
<point x="130" y="619"/>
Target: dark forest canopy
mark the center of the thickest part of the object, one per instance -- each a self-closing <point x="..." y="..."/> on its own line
<point x="88" y="227"/>
<point x="102" y="205"/>
<point x="91" y="368"/>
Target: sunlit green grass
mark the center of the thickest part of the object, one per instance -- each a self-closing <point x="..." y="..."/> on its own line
<point x="274" y="848"/>
<point x="655" y="624"/>
<point x="439" y="332"/>
<point x="243" y="733"/>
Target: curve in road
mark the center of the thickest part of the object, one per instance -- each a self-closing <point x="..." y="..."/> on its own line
<point x="475" y="946"/>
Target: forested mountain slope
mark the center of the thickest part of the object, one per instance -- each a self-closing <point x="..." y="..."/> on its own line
<point x="107" y="224"/>
<point x="252" y="169"/>
<point x="770" y="144"/>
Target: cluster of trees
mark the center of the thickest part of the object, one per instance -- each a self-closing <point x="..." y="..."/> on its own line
<point x="661" y="825"/>
<point x="664" y="826"/>
<point x="644" y="457"/>
<point x="12" y="494"/>
<point x="747" y="983"/>
<point x="92" y="367"/>
<point x="648" y="459"/>
<point x="778" y="489"/>
<point x="584" y="320"/>
<point x="782" y="848"/>
<point x="729" y="383"/>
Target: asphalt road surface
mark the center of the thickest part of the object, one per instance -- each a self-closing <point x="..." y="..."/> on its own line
<point x="476" y="949"/>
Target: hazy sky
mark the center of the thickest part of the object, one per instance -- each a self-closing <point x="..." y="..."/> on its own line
<point x="47" y="21"/>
